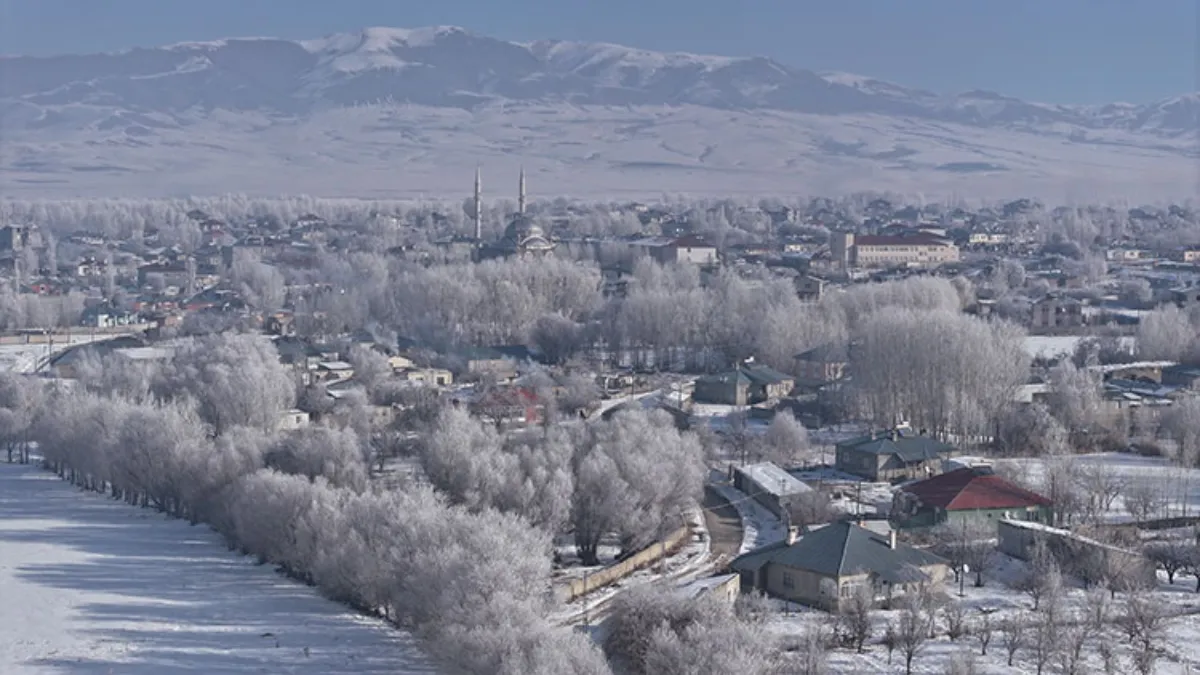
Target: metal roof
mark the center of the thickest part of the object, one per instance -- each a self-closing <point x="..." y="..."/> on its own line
<point x="774" y="480"/>
<point x="903" y="444"/>
<point x="840" y="549"/>
<point x="972" y="488"/>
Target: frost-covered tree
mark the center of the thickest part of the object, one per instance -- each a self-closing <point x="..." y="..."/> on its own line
<point x="312" y="451"/>
<point x="237" y="380"/>
<point x="654" y="631"/>
<point x="21" y="398"/>
<point x="785" y="441"/>
<point x="1168" y="333"/>
<point x="530" y="477"/>
<point x="942" y="372"/>
<point x="635" y="476"/>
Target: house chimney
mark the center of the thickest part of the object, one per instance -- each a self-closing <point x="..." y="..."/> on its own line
<point x="892" y="540"/>
<point x="793" y="533"/>
<point x="895" y="434"/>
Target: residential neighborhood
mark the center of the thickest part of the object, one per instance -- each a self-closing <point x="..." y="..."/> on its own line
<point x="833" y="416"/>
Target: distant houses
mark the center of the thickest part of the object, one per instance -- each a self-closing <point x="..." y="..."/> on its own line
<point x="745" y="385"/>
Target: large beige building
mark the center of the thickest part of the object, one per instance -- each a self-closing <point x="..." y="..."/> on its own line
<point x="869" y="250"/>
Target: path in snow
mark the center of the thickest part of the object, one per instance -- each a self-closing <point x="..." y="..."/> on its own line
<point x="89" y="586"/>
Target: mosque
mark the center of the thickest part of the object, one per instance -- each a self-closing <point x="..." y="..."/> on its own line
<point x="521" y="238"/>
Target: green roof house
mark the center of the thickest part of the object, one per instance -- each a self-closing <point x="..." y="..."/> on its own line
<point x="830" y="564"/>
<point x="896" y="455"/>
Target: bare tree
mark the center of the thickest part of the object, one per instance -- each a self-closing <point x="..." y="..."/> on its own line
<point x="967" y="545"/>
<point x="1144" y="621"/>
<point x="854" y="617"/>
<point x="1074" y="632"/>
<point x="954" y="614"/>
<point x="890" y="640"/>
<point x="1045" y="639"/>
<point x="811" y="657"/>
<point x="1043" y="578"/>
<point x="1101" y="485"/>
<point x="1013" y="636"/>
<point x="982" y="630"/>
<point x="1144" y="499"/>
<point x="912" y="632"/>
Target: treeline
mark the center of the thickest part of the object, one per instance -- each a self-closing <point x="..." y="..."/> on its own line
<point x="196" y="439"/>
<point x="557" y="305"/>
<point x="27" y="310"/>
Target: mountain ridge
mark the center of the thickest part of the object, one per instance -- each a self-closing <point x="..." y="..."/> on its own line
<point x="188" y="99"/>
<point x="449" y="65"/>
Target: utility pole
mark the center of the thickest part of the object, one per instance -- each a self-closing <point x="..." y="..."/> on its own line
<point x="962" y="564"/>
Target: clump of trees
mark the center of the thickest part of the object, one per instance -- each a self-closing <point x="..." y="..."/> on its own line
<point x="656" y="631"/>
<point x="199" y="440"/>
<point x="944" y="372"/>
<point x="1171" y="334"/>
<point x="632" y="476"/>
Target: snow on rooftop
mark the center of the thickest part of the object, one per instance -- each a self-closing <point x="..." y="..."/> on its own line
<point x="91" y="586"/>
<point x="774" y="480"/>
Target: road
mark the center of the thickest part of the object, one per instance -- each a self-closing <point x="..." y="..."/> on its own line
<point x="724" y="526"/>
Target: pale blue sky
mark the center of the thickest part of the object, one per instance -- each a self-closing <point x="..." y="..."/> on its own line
<point x="1068" y="51"/>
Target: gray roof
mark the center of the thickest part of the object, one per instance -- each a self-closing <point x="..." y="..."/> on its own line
<point x="774" y="480"/>
<point x="735" y="377"/>
<point x="905" y="445"/>
<point x="763" y="375"/>
<point x="841" y="549"/>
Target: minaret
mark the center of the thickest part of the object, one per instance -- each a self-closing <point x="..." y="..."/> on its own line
<point x="478" y="206"/>
<point x="521" y="193"/>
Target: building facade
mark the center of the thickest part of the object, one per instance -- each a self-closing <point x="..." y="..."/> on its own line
<point x="916" y="250"/>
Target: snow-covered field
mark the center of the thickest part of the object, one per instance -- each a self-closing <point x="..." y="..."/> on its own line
<point x="412" y="151"/>
<point x="1179" y="488"/>
<point x="89" y="586"/>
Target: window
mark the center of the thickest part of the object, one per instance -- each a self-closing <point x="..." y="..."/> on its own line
<point x="788" y="582"/>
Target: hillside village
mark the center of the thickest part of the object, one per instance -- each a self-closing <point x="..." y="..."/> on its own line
<point x="928" y="533"/>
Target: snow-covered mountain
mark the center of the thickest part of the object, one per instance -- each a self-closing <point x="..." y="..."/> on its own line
<point x="99" y="121"/>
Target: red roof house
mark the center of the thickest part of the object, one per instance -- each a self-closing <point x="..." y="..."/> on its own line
<point x="971" y="493"/>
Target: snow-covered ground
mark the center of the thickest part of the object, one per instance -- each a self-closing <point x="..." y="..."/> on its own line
<point x="89" y="586"/>
<point x="692" y="561"/>
<point x="25" y="358"/>
<point x="1050" y="346"/>
<point x="1179" y="488"/>
<point x="1181" y="652"/>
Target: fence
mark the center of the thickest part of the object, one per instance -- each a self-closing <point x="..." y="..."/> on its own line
<point x="643" y="558"/>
